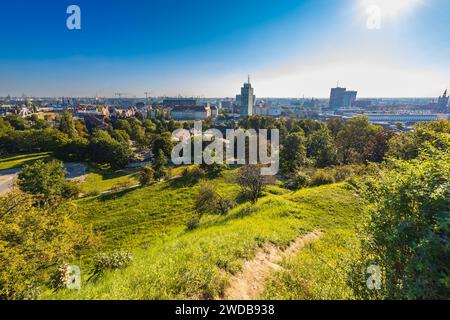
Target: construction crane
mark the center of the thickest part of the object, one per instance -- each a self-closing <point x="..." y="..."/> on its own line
<point x="120" y="95"/>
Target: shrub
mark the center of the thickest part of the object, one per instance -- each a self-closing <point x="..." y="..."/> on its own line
<point x="224" y="204"/>
<point x="209" y="201"/>
<point x="34" y="239"/>
<point x="206" y="199"/>
<point x="147" y="175"/>
<point x="71" y="190"/>
<point x="94" y="193"/>
<point x="321" y="177"/>
<point x="407" y="233"/>
<point x="197" y="174"/>
<point x="251" y="182"/>
<point x="185" y="172"/>
<point x="193" y="224"/>
<point x="301" y="180"/>
<point x="111" y="261"/>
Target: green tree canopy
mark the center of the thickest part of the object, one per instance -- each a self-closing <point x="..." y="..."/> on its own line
<point x="293" y="152"/>
<point x="67" y="125"/>
<point x="408" y="231"/>
<point x="34" y="241"/>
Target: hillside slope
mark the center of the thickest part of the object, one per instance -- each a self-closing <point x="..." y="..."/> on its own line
<point x="173" y="263"/>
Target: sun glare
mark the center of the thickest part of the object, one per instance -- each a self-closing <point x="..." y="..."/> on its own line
<point x="392" y="8"/>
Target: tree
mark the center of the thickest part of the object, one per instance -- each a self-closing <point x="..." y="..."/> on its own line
<point x="147" y="175"/>
<point x="163" y="142"/>
<point x="46" y="179"/>
<point x="352" y="139"/>
<point x="407" y="146"/>
<point x="407" y="234"/>
<point x="104" y="149"/>
<point x="377" y="146"/>
<point x="17" y="122"/>
<point x="34" y="241"/>
<point x="36" y="123"/>
<point x="67" y="125"/>
<point x="206" y="199"/>
<point x="160" y="166"/>
<point x="209" y="201"/>
<point x="120" y="135"/>
<point x="80" y="126"/>
<point x="149" y="125"/>
<point x="5" y="128"/>
<point x="138" y="133"/>
<point x="335" y="125"/>
<point x="251" y="182"/>
<point x="321" y="148"/>
<point x="293" y="153"/>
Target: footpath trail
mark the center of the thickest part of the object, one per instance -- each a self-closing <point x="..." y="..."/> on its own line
<point x="250" y="282"/>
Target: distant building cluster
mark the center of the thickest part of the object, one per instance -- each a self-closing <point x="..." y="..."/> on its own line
<point x="342" y="103"/>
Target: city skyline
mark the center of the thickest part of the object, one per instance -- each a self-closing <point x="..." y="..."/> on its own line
<point x="291" y="49"/>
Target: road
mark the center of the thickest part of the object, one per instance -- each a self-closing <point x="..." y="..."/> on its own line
<point x="7" y="177"/>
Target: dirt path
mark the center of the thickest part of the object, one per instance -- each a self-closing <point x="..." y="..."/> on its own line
<point x="250" y="282"/>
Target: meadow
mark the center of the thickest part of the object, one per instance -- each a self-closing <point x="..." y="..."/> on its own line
<point x="17" y="161"/>
<point x="171" y="262"/>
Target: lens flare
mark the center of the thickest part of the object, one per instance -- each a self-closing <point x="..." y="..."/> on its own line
<point x="391" y="8"/>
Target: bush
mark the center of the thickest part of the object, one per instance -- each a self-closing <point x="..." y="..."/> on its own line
<point x="33" y="240"/>
<point x="209" y="201"/>
<point x="342" y="173"/>
<point x="47" y="179"/>
<point x="320" y="178"/>
<point x="407" y="233"/>
<point x="185" y="172"/>
<point x="193" y="224"/>
<point x="71" y="190"/>
<point x="224" y="204"/>
<point x="94" y="193"/>
<point x="300" y="181"/>
<point x="147" y="175"/>
<point x="111" y="261"/>
<point x="197" y="174"/>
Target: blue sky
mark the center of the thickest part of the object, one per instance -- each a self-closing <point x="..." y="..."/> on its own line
<point x="207" y="48"/>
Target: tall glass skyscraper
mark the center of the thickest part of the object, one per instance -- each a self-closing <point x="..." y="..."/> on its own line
<point x="247" y="99"/>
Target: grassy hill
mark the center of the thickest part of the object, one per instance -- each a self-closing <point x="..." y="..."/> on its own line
<point x="171" y="262"/>
<point x="17" y="161"/>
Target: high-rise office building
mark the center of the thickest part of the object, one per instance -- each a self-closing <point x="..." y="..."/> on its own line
<point x="337" y="98"/>
<point x="341" y="98"/>
<point x="349" y="99"/>
<point x="247" y="99"/>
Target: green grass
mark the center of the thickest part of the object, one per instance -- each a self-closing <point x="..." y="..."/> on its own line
<point x="173" y="263"/>
<point x="318" y="271"/>
<point x="18" y="161"/>
<point x="139" y="216"/>
<point x="99" y="180"/>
